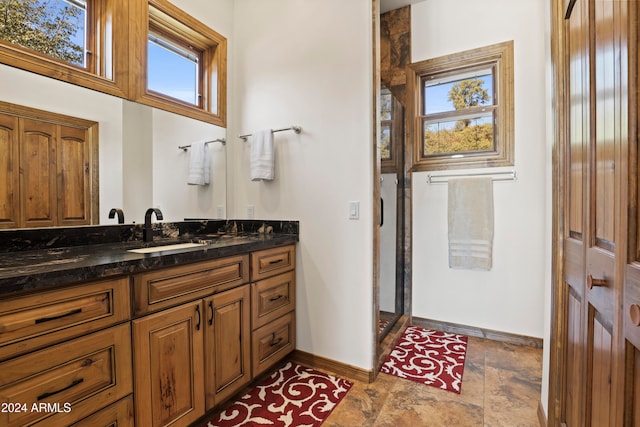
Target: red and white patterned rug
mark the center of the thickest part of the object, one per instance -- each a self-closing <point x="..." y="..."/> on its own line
<point x="292" y="396"/>
<point x="430" y="357"/>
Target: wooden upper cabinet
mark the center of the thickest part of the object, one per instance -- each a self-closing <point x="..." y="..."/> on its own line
<point x="49" y="169"/>
<point x="74" y="178"/>
<point x="9" y="172"/>
<point x="38" y="173"/>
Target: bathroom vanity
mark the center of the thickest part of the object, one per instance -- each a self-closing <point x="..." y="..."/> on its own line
<point x="142" y="334"/>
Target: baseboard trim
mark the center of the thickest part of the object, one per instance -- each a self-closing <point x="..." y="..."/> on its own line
<point x="542" y="417"/>
<point x="478" y="332"/>
<point x="338" y="368"/>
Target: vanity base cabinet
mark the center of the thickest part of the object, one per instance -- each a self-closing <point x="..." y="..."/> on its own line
<point x="191" y="357"/>
<point x="67" y="382"/>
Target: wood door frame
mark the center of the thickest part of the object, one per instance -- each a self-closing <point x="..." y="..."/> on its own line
<point x="559" y="298"/>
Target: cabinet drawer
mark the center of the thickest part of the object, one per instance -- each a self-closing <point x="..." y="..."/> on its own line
<point x="273" y="342"/>
<point x="269" y="262"/>
<point x="172" y="286"/>
<point x="271" y="298"/>
<point x="119" y="414"/>
<point x="35" y="321"/>
<point x="69" y="381"/>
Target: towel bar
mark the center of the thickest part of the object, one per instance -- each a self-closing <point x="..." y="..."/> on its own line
<point x="296" y="129"/>
<point x="222" y="140"/>
<point x="496" y="176"/>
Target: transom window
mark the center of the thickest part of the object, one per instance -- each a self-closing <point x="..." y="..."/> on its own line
<point x="55" y="28"/>
<point x="173" y="69"/>
<point x="464" y="109"/>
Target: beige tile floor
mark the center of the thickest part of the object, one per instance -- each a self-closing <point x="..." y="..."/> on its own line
<point x="500" y="387"/>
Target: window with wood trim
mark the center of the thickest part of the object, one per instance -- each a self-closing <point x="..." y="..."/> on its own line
<point x="48" y="169"/>
<point x="184" y="64"/>
<point x="463" y="109"/>
<point x="83" y="42"/>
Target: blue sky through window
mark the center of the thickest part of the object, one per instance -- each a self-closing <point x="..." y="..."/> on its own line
<point x="172" y="71"/>
<point x="436" y="94"/>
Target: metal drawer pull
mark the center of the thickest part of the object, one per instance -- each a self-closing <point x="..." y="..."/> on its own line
<point x="634" y="314"/>
<point x="276" y="298"/>
<point x="591" y="282"/>
<point x="274" y="342"/>
<point x="276" y="261"/>
<point x="49" y="319"/>
<point x="51" y="393"/>
<point x="211" y="309"/>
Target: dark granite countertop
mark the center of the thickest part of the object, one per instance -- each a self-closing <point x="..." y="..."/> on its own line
<point x="37" y="268"/>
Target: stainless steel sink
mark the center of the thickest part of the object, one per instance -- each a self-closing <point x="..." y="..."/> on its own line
<point x="169" y="247"/>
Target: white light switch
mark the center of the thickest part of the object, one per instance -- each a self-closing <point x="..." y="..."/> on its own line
<point x="251" y="211"/>
<point x="354" y="210"/>
<point x="220" y="212"/>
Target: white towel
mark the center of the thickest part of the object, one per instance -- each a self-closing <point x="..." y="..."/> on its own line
<point x="262" y="157"/>
<point x="199" y="164"/>
<point x="470" y="218"/>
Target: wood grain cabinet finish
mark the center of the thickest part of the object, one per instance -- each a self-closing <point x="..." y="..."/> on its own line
<point x="119" y="414"/>
<point x="273" y="306"/>
<point x="185" y="353"/>
<point x="168" y="287"/>
<point x="227" y="344"/>
<point x="48" y="173"/>
<point x="169" y="366"/>
<point x="272" y="298"/>
<point x="37" y="320"/>
<point x="270" y="262"/>
<point x="86" y="373"/>
<point x="272" y="342"/>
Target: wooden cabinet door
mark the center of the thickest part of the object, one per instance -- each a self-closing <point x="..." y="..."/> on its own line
<point x="38" y="173"/>
<point x="168" y="363"/>
<point x="74" y="204"/>
<point x="9" y="172"/>
<point x="227" y="344"/>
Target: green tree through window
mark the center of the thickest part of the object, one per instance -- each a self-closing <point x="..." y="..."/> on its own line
<point x="52" y="27"/>
<point x="462" y="109"/>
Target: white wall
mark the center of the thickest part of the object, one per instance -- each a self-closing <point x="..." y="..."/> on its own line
<point x="310" y="64"/>
<point x="510" y="297"/>
<point x="171" y="194"/>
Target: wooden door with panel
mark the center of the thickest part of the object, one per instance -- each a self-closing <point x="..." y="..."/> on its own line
<point x="606" y="251"/>
<point x="575" y="213"/>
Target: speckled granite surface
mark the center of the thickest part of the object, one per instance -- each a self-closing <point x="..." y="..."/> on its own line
<point x="45" y="258"/>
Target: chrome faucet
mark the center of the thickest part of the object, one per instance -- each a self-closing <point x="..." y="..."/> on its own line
<point x="114" y="211"/>
<point x="147" y="233"/>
